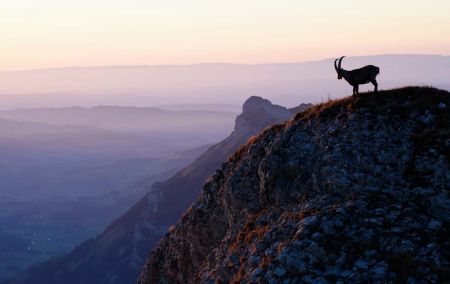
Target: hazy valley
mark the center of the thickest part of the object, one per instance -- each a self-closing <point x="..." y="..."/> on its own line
<point x="66" y="173"/>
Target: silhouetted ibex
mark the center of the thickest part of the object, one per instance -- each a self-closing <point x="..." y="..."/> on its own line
<point x="364" y="75"/>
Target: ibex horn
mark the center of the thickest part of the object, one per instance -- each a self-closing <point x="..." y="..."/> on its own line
<point x="340" y="62"/>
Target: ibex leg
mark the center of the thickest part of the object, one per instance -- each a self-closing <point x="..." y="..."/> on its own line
<point x="375" y="84"/>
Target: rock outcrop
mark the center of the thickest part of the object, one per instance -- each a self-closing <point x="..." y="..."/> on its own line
<point x="118" y="254"/>
<point x="350" y="191"/>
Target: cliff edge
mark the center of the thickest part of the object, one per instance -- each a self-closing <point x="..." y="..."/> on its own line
<point x="354" y="190"/>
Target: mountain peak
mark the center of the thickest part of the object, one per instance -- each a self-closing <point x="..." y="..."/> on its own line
<point x="255" y="101"/>
<point x="353" y="190"/>
<point x="258" y="113"/>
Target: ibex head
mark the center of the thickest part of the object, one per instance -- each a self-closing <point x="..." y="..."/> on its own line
<point x="338" y="67"/>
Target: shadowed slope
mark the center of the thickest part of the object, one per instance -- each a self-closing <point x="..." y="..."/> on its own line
<point x="354" y="190"/>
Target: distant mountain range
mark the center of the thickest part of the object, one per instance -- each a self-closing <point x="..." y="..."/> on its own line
<point x="201" y="106"/>
<point x="117" y="255"/>
<point x="286" y="83"/>
<point x="53" y="147"/>
<point x="132" y="119"/>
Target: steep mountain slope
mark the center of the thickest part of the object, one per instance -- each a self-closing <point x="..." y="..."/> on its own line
<point x="352" y="191"/>
<point x="117" y="255"/>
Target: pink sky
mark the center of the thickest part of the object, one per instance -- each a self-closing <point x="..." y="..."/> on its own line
<point x="58" y="33"/>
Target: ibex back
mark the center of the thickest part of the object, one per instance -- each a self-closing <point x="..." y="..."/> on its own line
<point x="364" y="75"/>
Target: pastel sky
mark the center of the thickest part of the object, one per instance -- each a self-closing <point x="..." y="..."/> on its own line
<point x="56" y="33"/>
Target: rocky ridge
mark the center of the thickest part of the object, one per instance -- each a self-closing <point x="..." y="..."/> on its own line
<point x="354" y="190"/>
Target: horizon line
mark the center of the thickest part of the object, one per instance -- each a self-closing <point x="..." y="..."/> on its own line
<point x="208" y="63"/>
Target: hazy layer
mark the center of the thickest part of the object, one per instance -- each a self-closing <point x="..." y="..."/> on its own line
<point x="285" y="84"/>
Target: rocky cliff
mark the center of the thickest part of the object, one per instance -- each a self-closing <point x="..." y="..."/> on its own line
<point x="350" y="191"/>
<point x="118" y="254"/>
